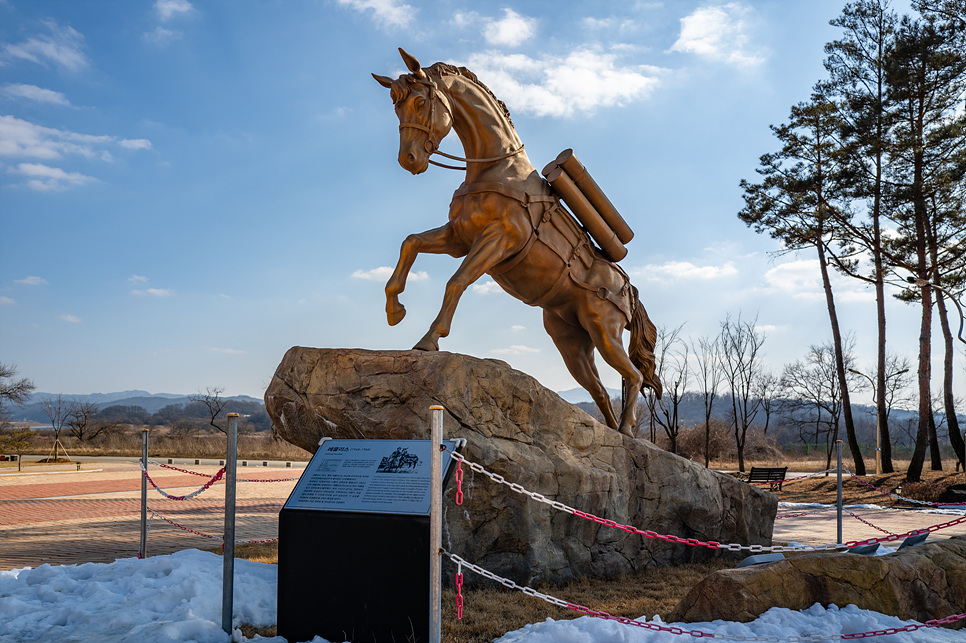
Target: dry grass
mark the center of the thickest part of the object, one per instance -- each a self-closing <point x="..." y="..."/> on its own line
<point x="165" y="443"/>
<point x="491" y="612"/>
<point x="823" y="489"/>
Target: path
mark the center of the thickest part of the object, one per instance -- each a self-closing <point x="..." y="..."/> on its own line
<point x="67" y="517"/>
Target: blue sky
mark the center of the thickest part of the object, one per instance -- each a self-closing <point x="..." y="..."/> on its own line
<point x="187" y="189"/>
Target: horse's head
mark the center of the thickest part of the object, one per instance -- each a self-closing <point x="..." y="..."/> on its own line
<point x="425" y="116"/>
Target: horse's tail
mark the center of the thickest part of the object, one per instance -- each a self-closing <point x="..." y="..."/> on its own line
<point x="641" y="349"/>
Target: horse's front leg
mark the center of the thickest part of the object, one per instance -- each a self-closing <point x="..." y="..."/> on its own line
<point x="440" y="240"/>
<point x="488" y="251"/>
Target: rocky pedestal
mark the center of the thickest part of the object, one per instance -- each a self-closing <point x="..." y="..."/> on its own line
<point x="518" y="429"/>
<point x="923" y="582"/>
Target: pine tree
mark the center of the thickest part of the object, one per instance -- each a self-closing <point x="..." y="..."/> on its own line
<point x="801" y="190"/>
<point x="926" y="81"/>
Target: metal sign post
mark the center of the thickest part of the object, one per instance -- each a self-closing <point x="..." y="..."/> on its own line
<point x="838" y="492"/>
<point x="142" y="548"/>
<point x="228" y="558"/>
<point x="435" y="523"/>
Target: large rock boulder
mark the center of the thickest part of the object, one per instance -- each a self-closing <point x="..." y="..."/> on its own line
<point x="923" y="582"/>
<point x="517" y="428"/>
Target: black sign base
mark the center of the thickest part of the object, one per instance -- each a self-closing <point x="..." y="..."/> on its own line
<point x="353" y="576"/>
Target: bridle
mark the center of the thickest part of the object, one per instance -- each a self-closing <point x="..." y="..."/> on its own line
<point x="432" y="145"/>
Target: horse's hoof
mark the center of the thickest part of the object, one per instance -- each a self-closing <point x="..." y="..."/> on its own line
<point x="395" y="313"/>
<point x="628" y="431"/>
<point x="426" y="344"/>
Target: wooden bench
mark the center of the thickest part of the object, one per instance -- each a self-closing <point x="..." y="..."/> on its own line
<point x="772" y="475"/>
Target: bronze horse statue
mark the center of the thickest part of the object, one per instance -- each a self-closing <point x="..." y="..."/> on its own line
<point x="506" y="222"/>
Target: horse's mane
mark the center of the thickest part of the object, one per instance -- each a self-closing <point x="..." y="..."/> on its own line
<point x="444" y="69"/>
<point x="400" y="90"/>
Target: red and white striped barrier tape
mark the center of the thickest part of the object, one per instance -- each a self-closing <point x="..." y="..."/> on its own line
<point x="657" y="627"/>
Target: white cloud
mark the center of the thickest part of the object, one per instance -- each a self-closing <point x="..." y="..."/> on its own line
<point x="35" y="94"/>
<point x="802" y="279"/>
<point x="6" y="301"/>
<point x="382" y="273"/>
<point x="487" y="287"/>
<point x="138" y="279"/>
<point x="32" y="281"/>
<point x="516" y="349"/>
<point x="62" y="46"/>
<point x="610" y="25"/>
<point x="718" y="33"/>
<point x="135" y="143"/>
<point x="385" y="12"/>
<point x="45" y="178"/>
<point x="20" y="138"/>
<point x="73" y="319"/>
<point x="463" y="19"/>
<point x="510" y="31"/>
<point x="153" y="292"/>
<point x="228" y="351"/>
<point x="684" y="270"/>
<point x="162" y="35"/>
<point x="517" y="328"/>
<point x="582" y="81"/>
<point x="168" y="9"/>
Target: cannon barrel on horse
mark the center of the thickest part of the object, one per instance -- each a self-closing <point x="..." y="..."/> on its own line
<point x="506" y="220"/>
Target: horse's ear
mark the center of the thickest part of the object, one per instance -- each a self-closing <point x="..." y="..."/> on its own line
<point x="385" y="81"/>
<point x="412" y="64"/>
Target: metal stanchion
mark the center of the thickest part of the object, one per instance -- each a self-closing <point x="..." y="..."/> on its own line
<point x="435" y="523"/>
<point x="142" y="548"/>
<point x="228" y="568"/>
<point x="838" y="490"/>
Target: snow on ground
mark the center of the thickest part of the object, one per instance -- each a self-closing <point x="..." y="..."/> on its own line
<point x="178" y="598"/>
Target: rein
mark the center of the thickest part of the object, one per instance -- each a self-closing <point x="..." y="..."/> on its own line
<point x="433" y="147"/>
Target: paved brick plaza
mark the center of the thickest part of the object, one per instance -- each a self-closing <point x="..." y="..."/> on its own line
<point x="61" y="516"/>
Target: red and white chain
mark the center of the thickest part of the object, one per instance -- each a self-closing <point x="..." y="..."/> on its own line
<point x="693" y="542"/>
<point x="656" y="627"/>
<point x="205" y="475"/>
<point x="215" y="478"/>
<point x="903" y="498"/>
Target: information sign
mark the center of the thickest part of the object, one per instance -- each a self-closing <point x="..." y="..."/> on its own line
<point x="368" y="476"/>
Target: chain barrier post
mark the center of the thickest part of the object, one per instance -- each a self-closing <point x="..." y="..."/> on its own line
<point x="228" y="556"/>
<point x="143" y="546"/>
<point x="435" y="523"/>
<point x="838" y="491"/>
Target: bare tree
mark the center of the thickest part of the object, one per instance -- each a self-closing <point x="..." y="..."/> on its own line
<point x="741" y="366"/>
<point x="671" y="355"/>
<point x="766" y="386"/>
<point x="212" y="399"/>
<point x="83" y="421"/>
<point x="812" y="394"/>
<point x="12" y="392"/>
<point x="706" y="369"/>
<point x="58" y="411"/>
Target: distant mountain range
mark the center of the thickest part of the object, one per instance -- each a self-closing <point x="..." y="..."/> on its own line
<point x="578" y="395"/>
<point x="150" y="402"/>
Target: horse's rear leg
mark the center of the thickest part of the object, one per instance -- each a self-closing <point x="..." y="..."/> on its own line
<point x="577" y="350"/>
<point x="605" y="325"/>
